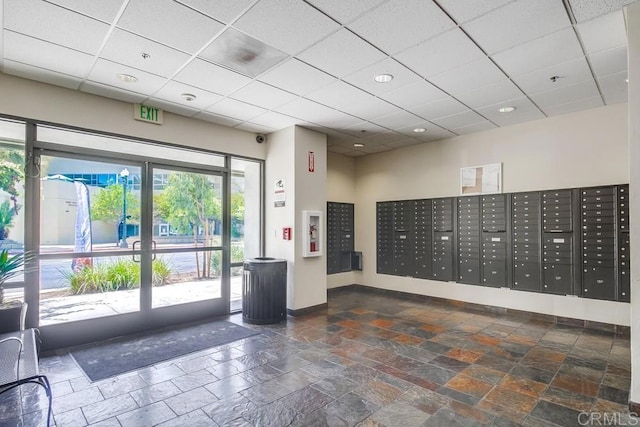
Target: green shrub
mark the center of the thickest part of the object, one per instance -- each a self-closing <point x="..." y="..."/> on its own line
<point x="161" y="272"/>
<point x="115" y="276"/>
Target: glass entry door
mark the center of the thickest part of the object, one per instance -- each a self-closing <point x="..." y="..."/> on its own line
<point x="120" y="238"/>
<point x="187" y="237"/>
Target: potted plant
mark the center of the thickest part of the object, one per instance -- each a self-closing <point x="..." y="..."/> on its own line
<point x="11" y="313"/>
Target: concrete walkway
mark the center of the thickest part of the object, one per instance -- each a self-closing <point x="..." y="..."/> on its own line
<point x="69" y="308"/>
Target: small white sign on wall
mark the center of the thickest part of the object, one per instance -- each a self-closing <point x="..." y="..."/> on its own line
<point x="485" y="179"/>
<point x="279" y="195"/>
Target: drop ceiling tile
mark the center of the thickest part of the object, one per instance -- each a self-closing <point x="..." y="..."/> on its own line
<point x="570" y="72"/>
<point x="253" y="127"/>
<point x="603" y="33"/>
<point x="104" y="10"/>
<point x="433" y="133"/>
<point x="126" y="48"/>
<point x="236" y="109"/>
<point x="584" y="10"/>
<point x="490" y="94"/>
<point x="372" y="149"/>
<point x="263" y="95"/>
<point x="112" y="92"/>
<point x="517" y="23"/>
<point x="288" y="25"/>
<point x="614" y="88"/>
<point x="339" y="95"/>
<point x="571" y="107"/>
<point x="400" y="119"/>
<point x="402" y="143"/>
<point x="31" y="51"/>
<point x="565" y="95"/>
<point x="356" y="153"/>
<point x="173" y="90"/>
<point x="339" y="149"/>
<point x="297" y="77"/>
<point x="381" y="138"/>
<point x="609" y="61"/>
<point x="106" y="72"/>
<point x="217" y="119"/>
<point x="402" y="76"/>
<point x="441" y="108"/>
<point x="211" y="77"/>
<point x="345" y="11"/>
<point x="372" y="109"/>
<point x="316" y="113"/>
<point x="363" y="129"/>
<point x="169" y="23"/>
<point x="468" y="77"/>
<point x="544" y="52"/>
<point x="525" y="111"/>
<point x="275" y="120"/>
<point x="459" y="120"/>
<point x="445" y="52"/>
<point x="341" y="53"/>
<point x="419" y="20"/>
<point x="171" y="107"/>
<point x="54" y="24"/>
<point x="242" y="53"/>
<point x="478" y="127"/>
<point x="224" y="11"/>
<point x="466" y="10"/>
<point x="39" y="74"/>
<point x="413" y="95"/>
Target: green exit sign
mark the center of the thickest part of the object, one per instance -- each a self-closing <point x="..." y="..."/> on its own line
<point x="148" y="114"/>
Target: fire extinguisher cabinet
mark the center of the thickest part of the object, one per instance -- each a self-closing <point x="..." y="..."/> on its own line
<point x="264" y="291"/>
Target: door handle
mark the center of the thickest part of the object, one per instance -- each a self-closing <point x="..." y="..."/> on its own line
<point x="136" y="243"/>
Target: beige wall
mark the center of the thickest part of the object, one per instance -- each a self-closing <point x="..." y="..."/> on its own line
<point x="35" y="100"/>
<point x="573" y="150"/>
<point x="633" y="36"/>
<point x="341" y="187"/>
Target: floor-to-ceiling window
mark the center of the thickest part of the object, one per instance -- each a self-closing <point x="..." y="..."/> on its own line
<point x="130" y="234"/>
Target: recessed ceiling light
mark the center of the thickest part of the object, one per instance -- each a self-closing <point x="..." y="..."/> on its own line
<point x="383" y="78"/>
<point x="188" y="97"/>
<point x="626" y="80"/>
<point x="127" y="78"/>
<point x="419" y="130"/>
<point x="506" y="109"/>
<point x="358" y="145"/>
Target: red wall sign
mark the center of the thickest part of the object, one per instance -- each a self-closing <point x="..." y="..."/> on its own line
<point x="312" y="164"/>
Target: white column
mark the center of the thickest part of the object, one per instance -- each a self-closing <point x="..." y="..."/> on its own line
<point x="633" y="37"/>
<point x="287" y="161"/>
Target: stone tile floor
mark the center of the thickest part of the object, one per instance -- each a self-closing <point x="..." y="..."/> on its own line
<point x="369" y="360"/>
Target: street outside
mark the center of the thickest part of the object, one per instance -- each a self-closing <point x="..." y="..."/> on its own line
<point x="58" y="304"/>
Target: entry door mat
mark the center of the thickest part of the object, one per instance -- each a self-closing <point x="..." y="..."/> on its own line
<point x="125" y="354"/>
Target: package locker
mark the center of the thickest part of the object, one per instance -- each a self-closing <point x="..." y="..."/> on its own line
<point x="558" y="242"/>
<point x="527" y="248"/>
<point x="443" y="222"/>
<point x="384" y="237"/>
<point x="494" y="240"/>
<point x="598" y="243"/>
<point x="423" y="241"/>
<point x="624" y="278"/>
<point x="469" y="245"/>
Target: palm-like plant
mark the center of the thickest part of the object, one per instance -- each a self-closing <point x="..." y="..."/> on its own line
<point x="10" y="267"/>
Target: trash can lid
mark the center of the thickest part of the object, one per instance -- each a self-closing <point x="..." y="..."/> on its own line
<point x="264" y="259"/>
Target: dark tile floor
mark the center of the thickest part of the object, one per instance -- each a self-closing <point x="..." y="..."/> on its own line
<point x="369" y="360"/>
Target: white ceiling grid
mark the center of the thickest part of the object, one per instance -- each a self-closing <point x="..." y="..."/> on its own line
<point x="264" y="65"/>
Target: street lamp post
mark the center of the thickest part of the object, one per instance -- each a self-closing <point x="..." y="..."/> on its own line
<point x="124" y="175"/>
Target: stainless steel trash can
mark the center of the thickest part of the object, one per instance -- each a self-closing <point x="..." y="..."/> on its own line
<point x="264" y="290"/>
